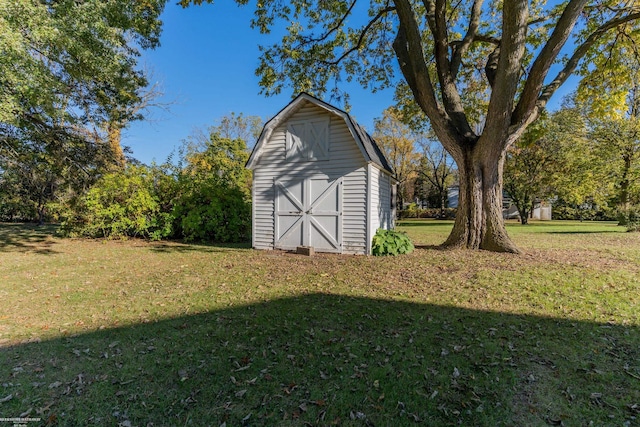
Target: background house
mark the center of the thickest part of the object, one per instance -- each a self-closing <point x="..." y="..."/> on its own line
<point x="319" y="180"/>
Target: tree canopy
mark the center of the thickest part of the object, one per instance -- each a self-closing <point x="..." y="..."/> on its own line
<point x="611" y="103"/>
<point x="398" y="141"/>
<point x="69" y="81"/>
<point x="70" y="66"/>
<point x="513" y="55"/>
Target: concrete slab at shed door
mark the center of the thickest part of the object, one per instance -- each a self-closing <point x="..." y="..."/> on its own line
<point x="308" y="212"/>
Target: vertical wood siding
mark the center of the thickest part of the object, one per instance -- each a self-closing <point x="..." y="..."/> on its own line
<point x="345" y="160"/>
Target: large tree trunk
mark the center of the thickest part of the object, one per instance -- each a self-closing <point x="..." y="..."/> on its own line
<point x="479" y="223"/>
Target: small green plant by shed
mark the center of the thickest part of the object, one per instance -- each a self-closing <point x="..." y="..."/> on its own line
<point x="391" y="242"/>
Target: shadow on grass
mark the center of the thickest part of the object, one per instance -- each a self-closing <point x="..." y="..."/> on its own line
<point x="324" y="359"/>
<point x="27" y="238"/>
<point x="430" y="247"/>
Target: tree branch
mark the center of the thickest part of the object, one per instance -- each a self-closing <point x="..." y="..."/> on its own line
<point x="515" y="14"/>
<point x="546" y="58"/>
<point x="487" y="39"/>
<point x="408" y="49"/>
<point x="578" y="54"/>
<point x="331" y="30"/>
<point x="461" y="48"/>
<point x="450" y="95"/>
<point x="361" y="38"/>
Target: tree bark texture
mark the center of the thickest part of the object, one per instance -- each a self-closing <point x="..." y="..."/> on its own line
<point x="479" y="223"/>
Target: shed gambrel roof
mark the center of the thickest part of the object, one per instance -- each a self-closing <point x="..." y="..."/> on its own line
<point x="368" y="147"/>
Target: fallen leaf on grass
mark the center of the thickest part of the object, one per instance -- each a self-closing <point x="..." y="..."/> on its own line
<point x="6" y="398"/>
<point x="456" y="373"/>
<point x="246" y="419"/>
<point x="45" y="408"/>
<point x="55" y="384"/>
<point x="291" y="387"/>
<point x="357" y="415"/>
<point x="241" y="393"/>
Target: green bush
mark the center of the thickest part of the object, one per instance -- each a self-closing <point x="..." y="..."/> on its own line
<point x="630" y="218"/>
<point x="391" y="242"/>
<point x="576" y="213"/>
<point x="158" y="203"/>
<point x="121" y="204"/>
<point x="413" y="211"/>
<point x="213" y="212"/>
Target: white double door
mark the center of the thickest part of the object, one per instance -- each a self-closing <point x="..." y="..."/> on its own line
<point x="308" y="212"/>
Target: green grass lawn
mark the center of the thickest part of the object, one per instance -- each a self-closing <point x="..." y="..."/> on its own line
<point x="133" y="333"/>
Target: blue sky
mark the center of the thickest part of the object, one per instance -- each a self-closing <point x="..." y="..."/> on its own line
<point x="206" y="65"/>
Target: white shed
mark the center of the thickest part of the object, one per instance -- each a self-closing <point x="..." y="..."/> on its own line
<point x="319" y="180"/>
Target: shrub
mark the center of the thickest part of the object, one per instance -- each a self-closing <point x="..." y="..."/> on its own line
<point x="562" y="211"/>
<point x="413" y="211"/>
<point x="630" y="218"/>
<point x="121" y="204"/>
<point x="391" y="242"/>
<point x="212" y="212"/>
